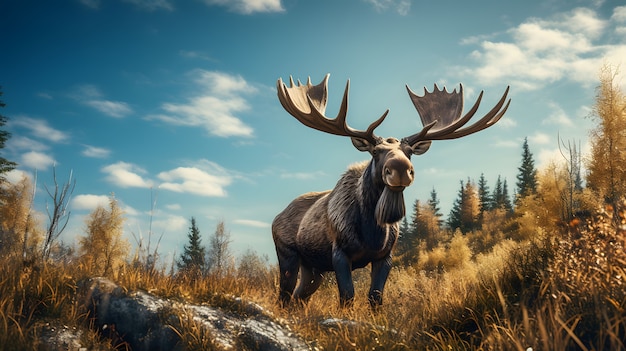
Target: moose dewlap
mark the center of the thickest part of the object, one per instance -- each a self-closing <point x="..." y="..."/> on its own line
<point x="356" y="223"/>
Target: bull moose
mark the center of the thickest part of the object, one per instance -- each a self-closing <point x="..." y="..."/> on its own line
<point x="356" y="223"/>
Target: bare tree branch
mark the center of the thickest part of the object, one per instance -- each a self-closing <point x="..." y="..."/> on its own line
<point x="59" y="214"/>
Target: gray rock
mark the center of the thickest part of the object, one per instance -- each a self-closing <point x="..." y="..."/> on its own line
<point x="146" y="322"/>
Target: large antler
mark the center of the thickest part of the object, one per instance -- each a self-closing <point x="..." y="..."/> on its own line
<point x="440" y="112"/>
<point x="307" y="103"/>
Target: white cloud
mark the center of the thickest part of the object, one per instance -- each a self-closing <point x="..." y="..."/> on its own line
<point x="128" y="210"/>
<point x="18" y="142"/>
<point x="402" y="7"/>
<point x="508" y="143"/>
<point x="45" y="95"/>
<point x="173" y="207"/>
<point x="96" y="152"/>
<point x="207" y="179"/>
<point x="547" y="157"/>
<point x="247" y="7"/>
<point x="90" y="202"/>
<point x="302" y="175"/>
<point x="190" y="54"/>
<point x="126" y="175"/>
<point x="152" y="5"/>
<point x="558" y="116"/>
<point x="619" y="14"/>
<point x="91" y="96"/>
<point x="40" y="129"/>
<point x="171" y="223"/>
<point x="15" y="176"/>
<point x="37" y="160"/>
<point x="539" y="139"/>
<point x="252" y="223"/>
<point x="93" y="4"/>
<point x="215" y="108"/>
<point x="507" y="122"/>
<point x="110" y="108"/>
<point x="540" y="51"/>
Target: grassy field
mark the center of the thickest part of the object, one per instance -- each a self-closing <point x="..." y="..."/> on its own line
<point x="558" y="291"/>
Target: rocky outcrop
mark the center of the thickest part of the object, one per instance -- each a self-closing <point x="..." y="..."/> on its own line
<point x="141" y="321"/>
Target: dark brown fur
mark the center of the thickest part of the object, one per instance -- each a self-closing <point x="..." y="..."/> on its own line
<point x="340" y="230"/>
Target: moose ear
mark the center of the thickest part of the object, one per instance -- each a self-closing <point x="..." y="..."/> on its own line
<point x="421" y="147"/>
<point x="361" y="144"/>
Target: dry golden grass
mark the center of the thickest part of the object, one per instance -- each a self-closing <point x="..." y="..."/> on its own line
<point x="563" y="291"/>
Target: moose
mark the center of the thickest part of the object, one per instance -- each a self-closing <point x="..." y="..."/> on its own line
<point x="356" y="223"/>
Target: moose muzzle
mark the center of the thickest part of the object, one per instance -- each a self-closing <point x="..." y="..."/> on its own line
<point x="398" y="173"/>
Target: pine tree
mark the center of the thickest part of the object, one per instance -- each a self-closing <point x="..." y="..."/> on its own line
<point x="405" y="231"/>
<point x="454" y="219"/>
<point x="506" y="199"/>
<point x="497" y="195"/>
<point x="5" y="165"/>
<point x="417" y="227"/>
<point x="464" y="213"/>
<point x="410" y="235"/>
<point x="192" y="260"/>
<point x="433" y="203"/>
<point x="527" y="174"/>
<point x="484" y="198"/>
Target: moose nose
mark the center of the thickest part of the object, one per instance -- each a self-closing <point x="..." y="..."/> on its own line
<point x="398" y="173"/>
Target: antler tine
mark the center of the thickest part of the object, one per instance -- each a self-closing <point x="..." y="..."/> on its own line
<point x="452" y="123"/>
<point x="307" y="103"/>
<point x="485" y="122"/>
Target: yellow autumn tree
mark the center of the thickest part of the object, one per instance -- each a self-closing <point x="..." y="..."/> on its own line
<point x="470" y="209"/>
<point x="104" y="248"/>
<point x="607" y="163"/>
<point x="20" y="233"/>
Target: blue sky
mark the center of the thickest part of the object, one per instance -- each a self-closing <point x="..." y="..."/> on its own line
<point x="175" y="100"/>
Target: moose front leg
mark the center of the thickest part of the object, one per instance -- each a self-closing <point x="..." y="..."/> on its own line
<point x="343" y="272"/>
<point x="380" y="272"/>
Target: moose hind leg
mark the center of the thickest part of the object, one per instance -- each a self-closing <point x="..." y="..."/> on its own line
<point x="380" y="272"/>
<point x="288" y="264"/>
<point x="310" y="280"/>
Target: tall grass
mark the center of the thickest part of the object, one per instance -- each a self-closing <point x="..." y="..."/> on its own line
<point x="561" y="290"/>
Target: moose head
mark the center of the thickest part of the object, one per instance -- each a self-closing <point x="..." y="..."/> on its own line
<point x="356" y="223"/>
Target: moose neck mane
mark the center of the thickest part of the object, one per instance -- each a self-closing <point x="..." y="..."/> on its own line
<point x="390" y="207"/>
<point x="388" y="204"/>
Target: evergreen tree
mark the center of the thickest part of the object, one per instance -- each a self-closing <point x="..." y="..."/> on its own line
<point x="433" y="203"/>
<point x="500" y="198"/>
<point x="408" y="235"/>
<point x="506" y="199"/>
<point x="464" y="213"/>
<point x="192" y="259"/>
<point x="497" y="196"/>
<point x="484" y="198"/>
<point x="417" y="226"/>
<point x="527" y="174"/>
<point x="454" y="219"/>
<point x="405" y="231"/>
<point x="5" y="165"/>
